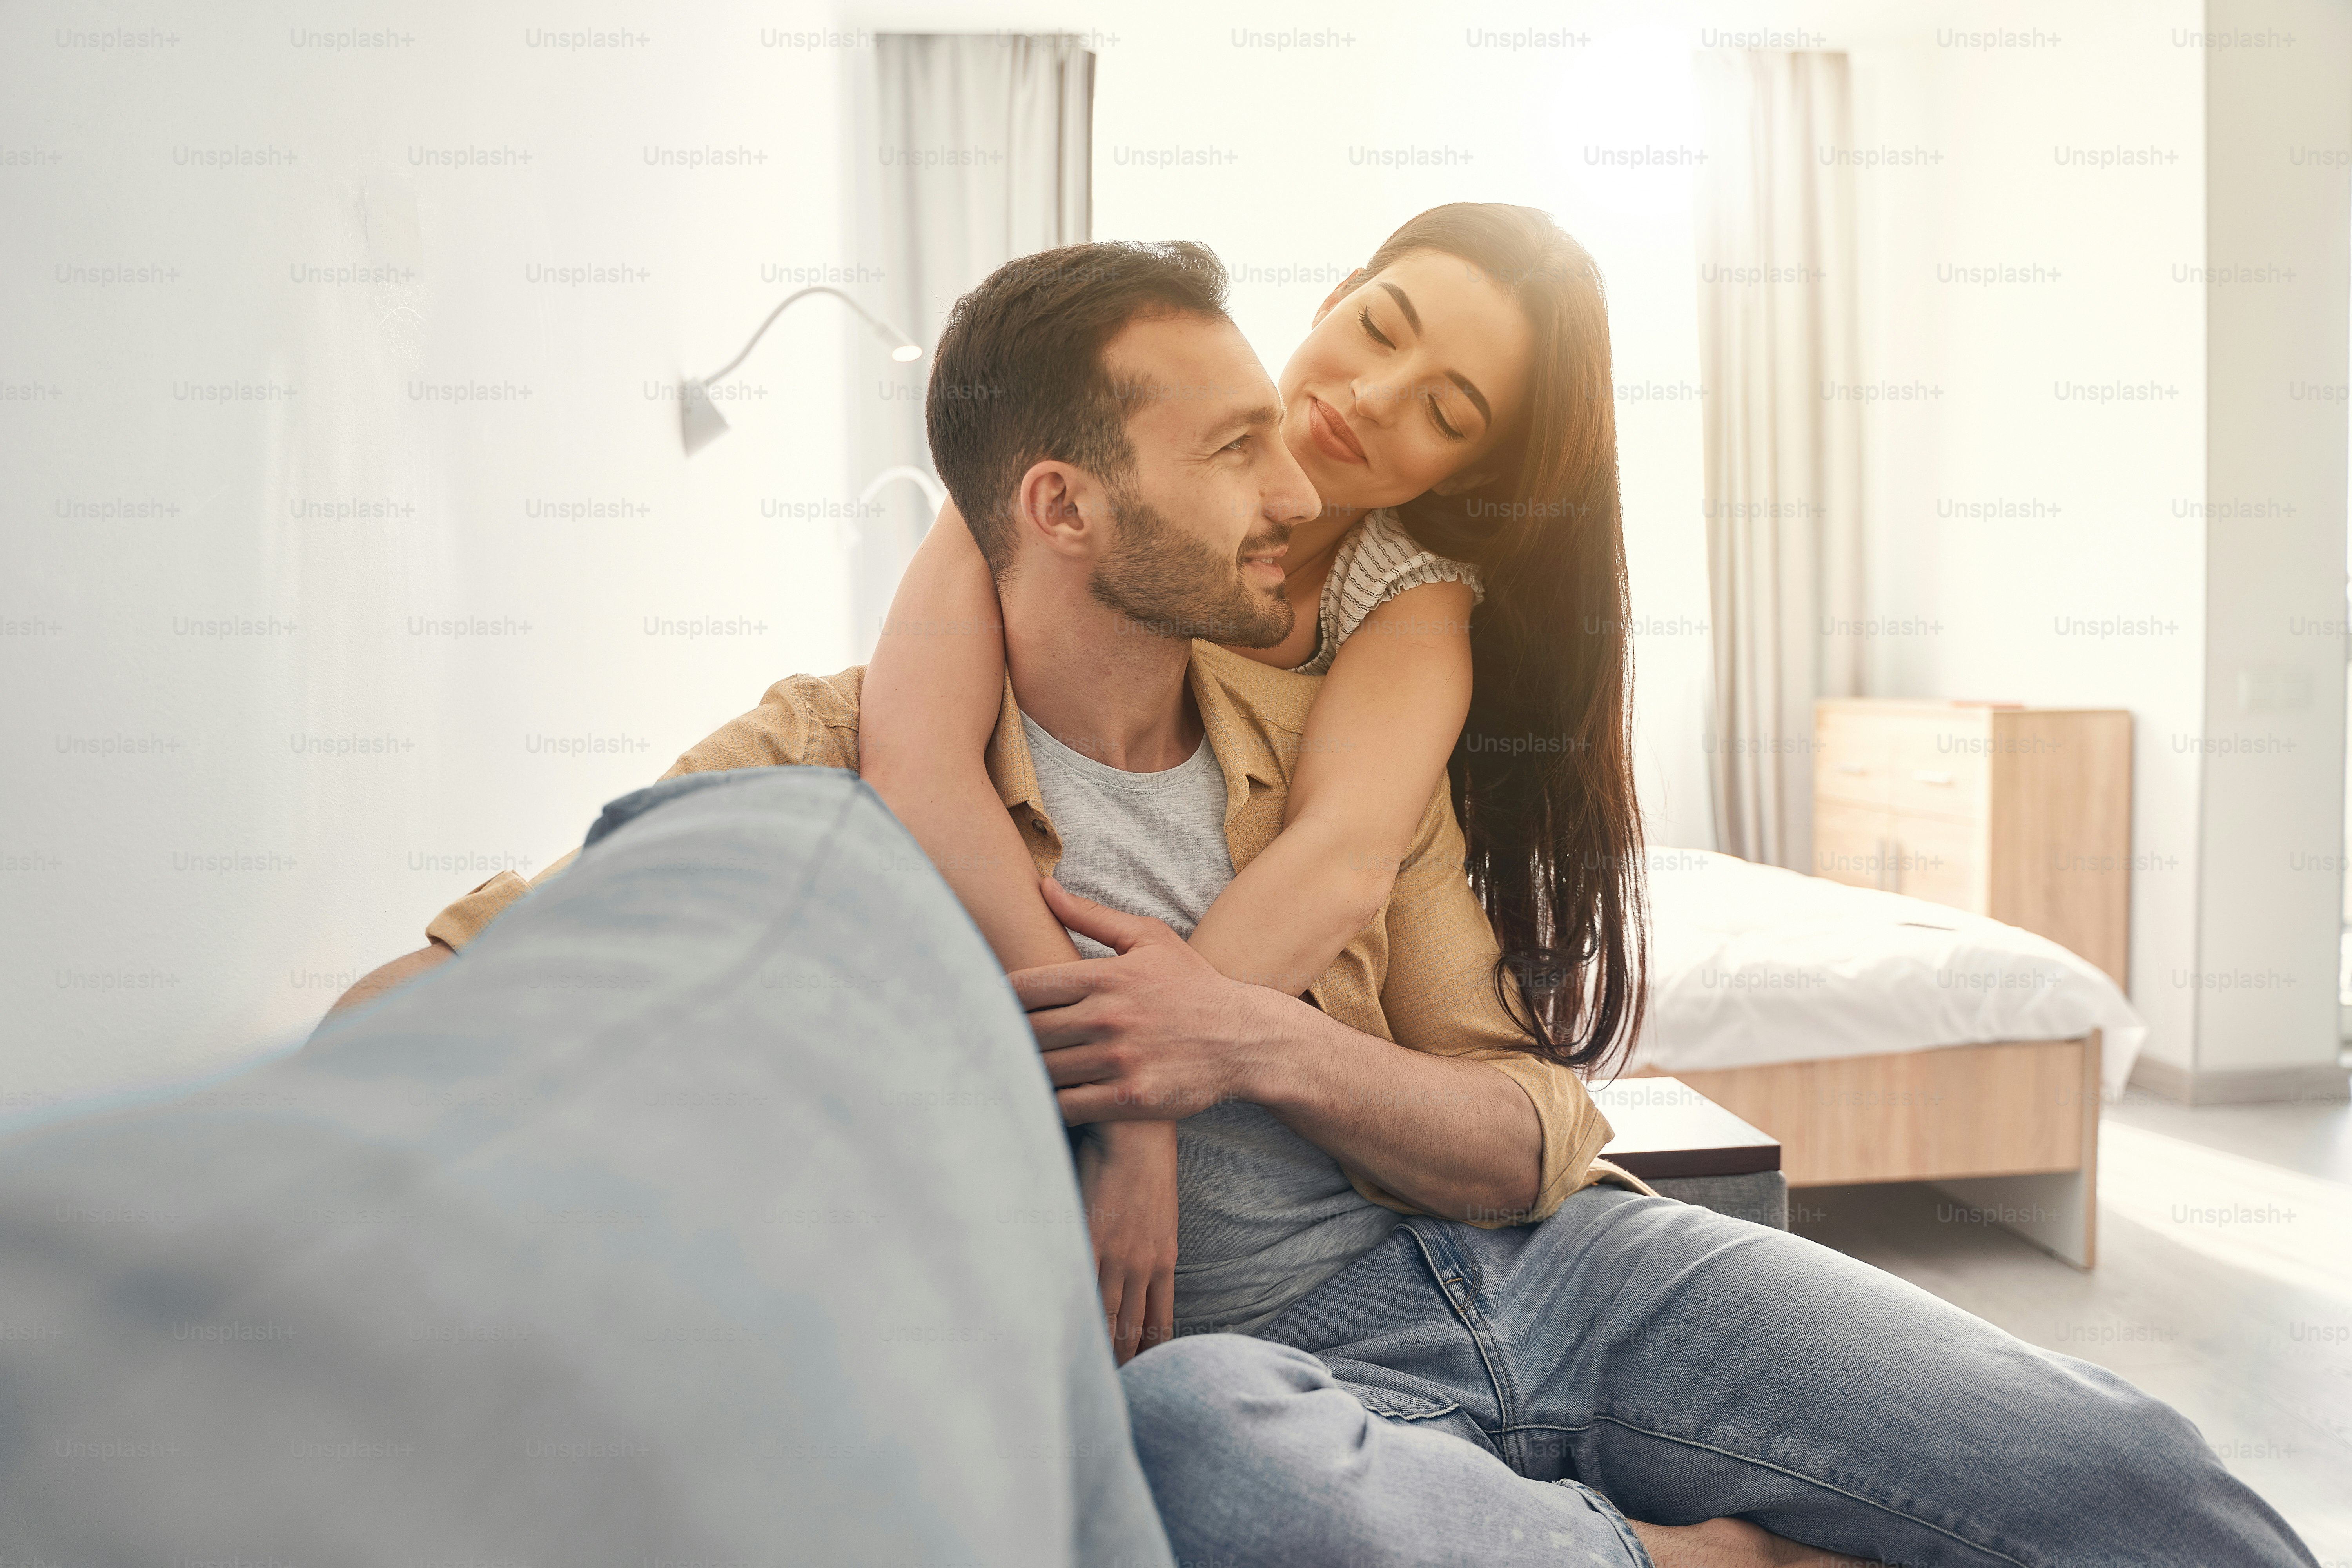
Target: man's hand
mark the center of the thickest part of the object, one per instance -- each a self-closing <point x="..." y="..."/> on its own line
<point x="1126" y="1171"/>
<point x="1155" y="1034"/>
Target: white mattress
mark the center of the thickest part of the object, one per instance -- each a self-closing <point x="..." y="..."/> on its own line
<point x="1752" y="964"/>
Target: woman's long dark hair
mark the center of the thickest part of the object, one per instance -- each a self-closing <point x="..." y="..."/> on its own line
<point x="1543" y="773"/>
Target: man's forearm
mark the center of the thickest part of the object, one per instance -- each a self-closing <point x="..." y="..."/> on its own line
<point x="1451" y="1136"/>
<point x="1156" y="1035"/>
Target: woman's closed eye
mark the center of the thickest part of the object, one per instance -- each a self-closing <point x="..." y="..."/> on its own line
<point x="1436" y="413"/>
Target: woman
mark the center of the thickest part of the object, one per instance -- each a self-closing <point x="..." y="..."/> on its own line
<point x="1452" y="405"/>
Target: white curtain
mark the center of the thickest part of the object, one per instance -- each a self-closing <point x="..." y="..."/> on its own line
<point x="980" y="150"/>
<point x="1777" y="344"/>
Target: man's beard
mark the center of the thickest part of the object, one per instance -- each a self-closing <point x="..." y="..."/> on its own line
<point x="1168" y="583"/>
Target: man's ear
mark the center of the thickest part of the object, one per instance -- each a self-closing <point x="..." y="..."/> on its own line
<point x="1346" y="286"/>
<point x="1061" y="507"/>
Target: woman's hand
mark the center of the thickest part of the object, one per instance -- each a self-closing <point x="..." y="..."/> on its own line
<point x="1127" y="1175"/>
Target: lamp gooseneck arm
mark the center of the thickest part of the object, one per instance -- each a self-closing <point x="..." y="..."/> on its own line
<point x="887" y="330"/>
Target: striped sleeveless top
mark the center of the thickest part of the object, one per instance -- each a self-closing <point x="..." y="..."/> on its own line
<point x="1376" y="560"/>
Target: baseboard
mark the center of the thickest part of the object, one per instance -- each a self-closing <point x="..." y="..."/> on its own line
<point x="2245" y="1086"/>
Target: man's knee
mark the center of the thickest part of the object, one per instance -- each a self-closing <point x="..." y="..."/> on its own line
<point x="2112" y="1449"/>
<point x="1195" y="1394"/>
<point x="2157" y="1450"/>
<point x="2103" y="1425"/>
<point x="1208" y="1408"/>
<point x="1243" y="1442"/>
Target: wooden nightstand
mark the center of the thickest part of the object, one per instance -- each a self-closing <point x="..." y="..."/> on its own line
<point x="1690" y="1148"/>
<point x="2021" y="814"/>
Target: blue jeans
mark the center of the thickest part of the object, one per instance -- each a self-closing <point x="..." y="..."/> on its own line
<point x="711" y="1207"/>
<point x="1513" y="1396"/>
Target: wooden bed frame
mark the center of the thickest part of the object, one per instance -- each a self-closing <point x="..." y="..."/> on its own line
<point x="2010" y="1128"/>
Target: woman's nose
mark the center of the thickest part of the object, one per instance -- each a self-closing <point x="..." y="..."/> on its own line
<point x="1377" y="395"/>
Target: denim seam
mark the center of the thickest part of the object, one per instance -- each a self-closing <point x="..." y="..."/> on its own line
<point x="1406" y="1415"/>
<point x="1434" y="1239"/>
<point x="1782" y="1469"/>
<point x="1615" y="1517"/>
<point x="1472" y="1320"/>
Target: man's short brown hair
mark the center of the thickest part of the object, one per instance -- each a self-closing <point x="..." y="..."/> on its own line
<point x="1019" y="379"/>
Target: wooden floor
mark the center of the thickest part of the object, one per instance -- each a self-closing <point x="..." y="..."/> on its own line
<point x="2245" y="1328"/>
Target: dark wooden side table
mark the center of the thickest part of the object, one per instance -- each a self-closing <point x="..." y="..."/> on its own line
<point x="1690" y="1148"/>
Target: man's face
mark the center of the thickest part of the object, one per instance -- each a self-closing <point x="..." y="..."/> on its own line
<point x="1203" y="521"/>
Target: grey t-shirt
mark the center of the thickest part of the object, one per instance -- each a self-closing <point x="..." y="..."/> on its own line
<point x="1263" y="1216"/>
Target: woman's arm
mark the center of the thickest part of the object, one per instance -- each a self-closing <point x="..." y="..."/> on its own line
<point x="926" y="714"/>
<point x="929" y="705"/>
<point x="1376" y="744"/>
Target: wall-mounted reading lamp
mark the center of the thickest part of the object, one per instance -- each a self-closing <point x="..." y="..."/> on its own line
<point x="700" y="421"/>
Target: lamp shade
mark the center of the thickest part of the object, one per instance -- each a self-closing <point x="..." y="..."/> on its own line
<point x="699" y="422"/>
<point x="699" y="418"/>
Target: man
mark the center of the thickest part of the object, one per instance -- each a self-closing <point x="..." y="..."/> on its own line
<point x="1448" y="1385"/>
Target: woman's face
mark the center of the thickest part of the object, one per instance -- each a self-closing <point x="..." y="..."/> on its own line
<point x="1409" y="378"/>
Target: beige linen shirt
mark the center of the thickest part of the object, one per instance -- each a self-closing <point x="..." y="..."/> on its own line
<point x="1421" y="974"/>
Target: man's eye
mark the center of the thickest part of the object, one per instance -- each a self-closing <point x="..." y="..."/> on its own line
<point x="1364" y="317"/>
<point x="1238" y="444"/>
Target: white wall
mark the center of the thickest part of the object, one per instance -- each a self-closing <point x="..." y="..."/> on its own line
<point x="128" y="973"/>
<point x="2004" y="519"/>
<point x="186" y="881"/>
<point x="1503" y="102"/>
<point x="2279" y="140"/>
<point x="2022" y="544"/>
<point x="1308" y="134"/>
<point x="1969" y="603"/>
<point x="2175" y="546"/>
<point x="1302" y="201"/>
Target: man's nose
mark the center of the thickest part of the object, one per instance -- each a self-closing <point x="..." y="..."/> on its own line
<point x="1290" y="497"/>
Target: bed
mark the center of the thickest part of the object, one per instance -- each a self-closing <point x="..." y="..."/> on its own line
<point x="1886" y="1039"/>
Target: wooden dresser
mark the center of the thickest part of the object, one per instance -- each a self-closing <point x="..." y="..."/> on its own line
<point x="2022" y="814"/>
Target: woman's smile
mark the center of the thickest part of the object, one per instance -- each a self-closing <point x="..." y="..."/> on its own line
<point x="1332" y="437"/>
